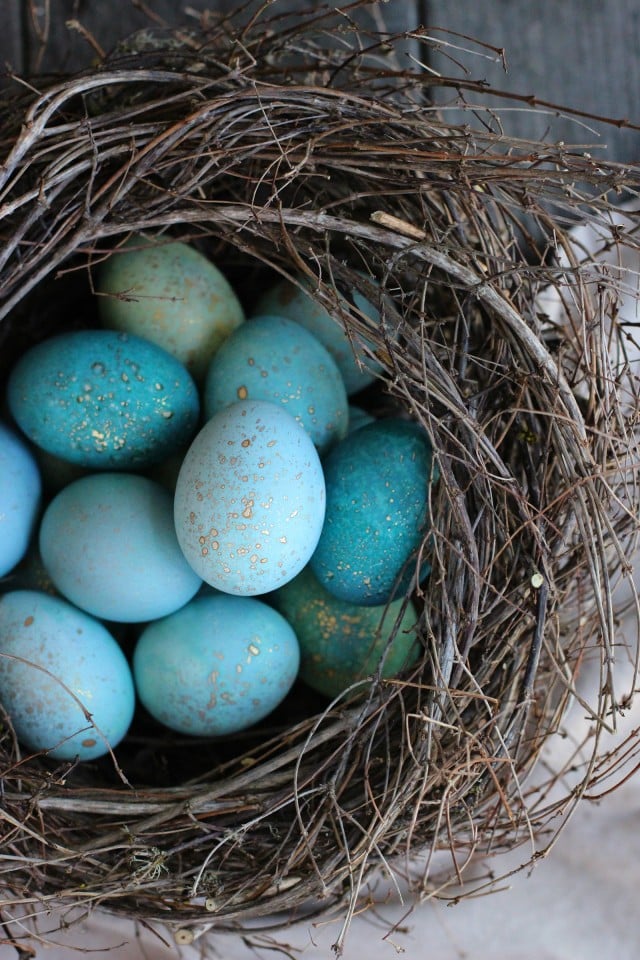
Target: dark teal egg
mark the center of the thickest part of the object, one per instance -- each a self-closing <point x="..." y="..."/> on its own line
<point x="342" y="644"/>
<point x="103" y="400"/>
<point x="377" y="514"/>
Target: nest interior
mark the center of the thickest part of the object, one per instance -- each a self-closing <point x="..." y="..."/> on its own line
<point x="300" y="148"/>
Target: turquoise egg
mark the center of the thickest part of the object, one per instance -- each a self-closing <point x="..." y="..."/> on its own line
<point x="71" y="691"/>
<point x="250" y="499"/>
<point x="20" y="490"/>
<point x="359" y="418"/>
<point x="109" y="545"/>
<point x="218" y="665"/>
<point x="275" y="359"/>
<point x="377" y="516"/>
<point x="171" y="294"/>
<point x="103" y="400"/>
<point x="342" y="644"/>
<point x="286" y="299"/>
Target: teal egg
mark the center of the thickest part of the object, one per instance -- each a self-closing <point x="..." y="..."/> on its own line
<point x="286" y="299"/>
<point x="103" y="399"/>
<point x="342" y="644"/>
<point x="250" y="499"/>
<point x="109" y="545"/>
<point x="20" y="491"/>
<point x="377" y="483"/>
<point x="171" y="294"/>
<point x="359" y="418"/>
<point x="218" y="665"/>
<point x="272" y="358"/>
<point x="64" y="681"/>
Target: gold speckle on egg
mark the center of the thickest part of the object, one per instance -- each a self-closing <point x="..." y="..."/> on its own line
<point x="246" y="443"/>
<point x="243" y="393"/>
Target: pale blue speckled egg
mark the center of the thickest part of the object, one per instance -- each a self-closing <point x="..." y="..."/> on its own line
<point x="287" y="299"/>
<point x="218" y="665"/>
<point x="103" y="400"/>
<point x="378" y="481"/>
<point x="20" y="490"/>
<point x="343" y="644"/>
<point x="250" y="499"/>
<point x="109" y="545"/>
<point x="171" y="294"/>
<point x="71" y="691"/>
<point x="272" y="358"/>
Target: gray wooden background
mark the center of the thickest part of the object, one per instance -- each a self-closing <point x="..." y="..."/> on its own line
<point x="582" y="53"/>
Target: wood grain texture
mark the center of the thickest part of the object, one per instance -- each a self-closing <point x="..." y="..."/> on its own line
<point x="47" y="43"/>
<point x="581" y="53"/>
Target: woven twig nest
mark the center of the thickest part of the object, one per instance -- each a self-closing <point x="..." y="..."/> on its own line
<point x="279" y="153"/>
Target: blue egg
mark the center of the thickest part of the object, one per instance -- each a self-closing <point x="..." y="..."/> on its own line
<point x="71" y="691"/>
<point x="250" y="499"/>
<point x="218" y="665"/>
<point x="109" y="545"/>
<point x="20" y="490"/>
<point x="275" y="359"/>
<point x="378" y="481"/>
<point x="356" y="365"/>
<point x="359" y="418"/>
<point x="103" y="399"/>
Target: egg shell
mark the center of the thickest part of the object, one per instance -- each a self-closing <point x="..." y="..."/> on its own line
<point x="359" y="418"/>
<point x="20" y="492"/>
<point x="218" y="665"/>
<point x="378" y="481"/>
<point x="171" y="294"/>
<point x="69" y="663"/>
<point x="342" y="644"/>
<point x="287" y="299"/>
<point x="250" y="499"/>
<point x="103" y="399"/>
<point x="109" y="545"/>
<point x="275" y="359"/>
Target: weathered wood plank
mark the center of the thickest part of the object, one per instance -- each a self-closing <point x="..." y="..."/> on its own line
<point x="580" y="53"/>
<point x="12" y="47"/>
<point x="51" y="45"/>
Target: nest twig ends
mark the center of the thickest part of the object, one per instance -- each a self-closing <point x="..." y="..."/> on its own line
<point x="280" y="154"/>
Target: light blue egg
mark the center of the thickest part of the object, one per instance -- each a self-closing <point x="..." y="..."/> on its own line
<point x="287" y="299"/>
<point x="343" y="644"/>
<point x="109" y="545"/>
<point x="250" y="499"/>
<point x="218" y="665"/>
<point x="71" y="691"/>
<point x="171" y="294"/>
<point x="20" y="490"/>
<point x="103" y="399"/>
<point x="377" y="516"/>
<point x="272" y="358"/>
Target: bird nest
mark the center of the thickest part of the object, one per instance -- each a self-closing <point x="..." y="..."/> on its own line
<point x="299" y="148"/>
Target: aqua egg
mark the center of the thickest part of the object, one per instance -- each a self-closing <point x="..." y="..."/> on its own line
<point x="342" y="645"/>
<point x="171" y="294"/>
<point x="103" y="399"/>
<point x="64" y="681"/>
<point x="272" y="358"/>
<point x="378" y="484"/>
<point x="250" y="499"/>
<point x="109" y="545"/>
<point x="20" y="491"/>
<point x="291" y="300"/>
<point x="218" y="665"/>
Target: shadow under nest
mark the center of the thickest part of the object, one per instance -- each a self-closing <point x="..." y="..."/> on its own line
<point x="278" y="156"/>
